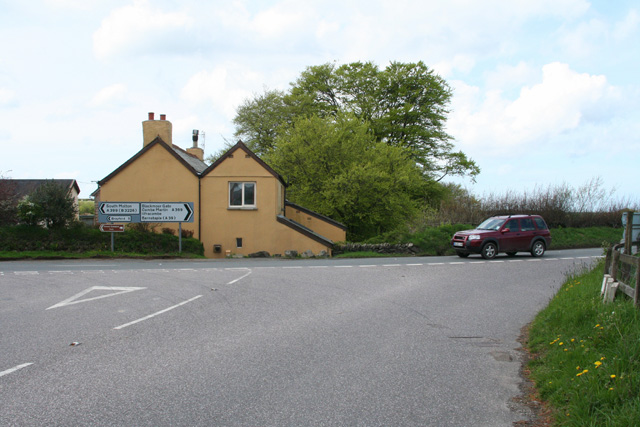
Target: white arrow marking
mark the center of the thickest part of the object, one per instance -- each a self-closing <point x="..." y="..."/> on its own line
<point x="74" y="299"/>
<point x="17" y="368"/>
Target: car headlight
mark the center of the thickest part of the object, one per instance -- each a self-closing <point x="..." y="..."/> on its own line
<point x="474" y="237"/>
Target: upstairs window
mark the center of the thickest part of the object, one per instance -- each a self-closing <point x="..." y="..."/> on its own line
<point x="242" y="194"/>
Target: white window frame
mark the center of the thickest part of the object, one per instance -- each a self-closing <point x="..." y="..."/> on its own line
<point x="243" y="205"/>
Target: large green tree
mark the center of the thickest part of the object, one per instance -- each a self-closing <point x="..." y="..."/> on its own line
<point x="337" y="167"/>
<point x="404" y="105"/>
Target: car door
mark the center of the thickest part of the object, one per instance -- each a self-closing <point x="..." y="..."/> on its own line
<point x="510" y="233"/>
<point x="527" y="233"/>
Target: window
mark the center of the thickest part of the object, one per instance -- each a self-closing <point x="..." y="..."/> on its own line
<point x="540" y="223"/>
<point x="238" y="242"/>
<point x="527" y="224"/>
<point x="512" y="225"/>
<point x="242" y="194"/>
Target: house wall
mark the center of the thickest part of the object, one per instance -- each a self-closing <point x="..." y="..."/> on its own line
<point x="257" y="227"/>
<point x="156" y="176"/>
<point x="320" y="226"/>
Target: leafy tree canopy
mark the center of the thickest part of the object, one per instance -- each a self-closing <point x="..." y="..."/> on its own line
<point x="50" y="204"/>
<point x="404" y="105"/>
<point x="338" y="168"/>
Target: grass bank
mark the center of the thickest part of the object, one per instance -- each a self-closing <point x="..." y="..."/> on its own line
<point x="586" y="355"/>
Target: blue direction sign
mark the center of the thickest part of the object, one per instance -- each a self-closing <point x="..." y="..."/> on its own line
<point x="166" y="212"/>
<point x="135" y="212"/>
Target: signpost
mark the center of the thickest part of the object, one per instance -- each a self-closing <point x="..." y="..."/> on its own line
<point x="137" y="212"/>
<point x="117" y="228"/>
<point x="112" y="228"/>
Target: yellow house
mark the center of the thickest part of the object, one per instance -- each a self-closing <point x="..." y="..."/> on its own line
<point x="239" y="201"/>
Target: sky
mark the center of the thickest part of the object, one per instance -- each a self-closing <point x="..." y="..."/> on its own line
<point x="545" y="92"/>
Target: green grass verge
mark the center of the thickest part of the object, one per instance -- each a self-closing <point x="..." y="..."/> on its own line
<point x="586" y="355"/>
<point x="590" y="237"/>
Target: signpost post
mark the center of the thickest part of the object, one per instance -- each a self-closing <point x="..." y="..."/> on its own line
<point x="137" y="212"/>
<point x="112" y="228"/>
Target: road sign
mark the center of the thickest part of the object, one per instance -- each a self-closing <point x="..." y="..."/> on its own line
<point x="166" y="212"/>
<point x="110" y="228"/>
<point x="118" y="208"/>
<point x="119" y="218"/>
<point x="136" y="212"/>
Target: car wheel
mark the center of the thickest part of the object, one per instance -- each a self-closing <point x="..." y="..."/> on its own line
<point x="537" y="250"/>
<point x="489" y="251"/>
<point x="511" y="253"/>
<point x="462" y="254"/>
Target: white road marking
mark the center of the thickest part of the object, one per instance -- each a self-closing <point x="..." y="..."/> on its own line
<point x="15" y="368"/>
<point x="239" y="278"/>
<point x="343" y="266"/>
<point x="157" y="313"/>
<point x="391" y="265"/>
<point x="74" y="299"/>
<point x="367" y="266"/>
<point x="26" y="273"/>
<point x="414" y="265"/>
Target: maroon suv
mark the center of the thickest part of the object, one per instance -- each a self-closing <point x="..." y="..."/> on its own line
<point x="509" y="234"/>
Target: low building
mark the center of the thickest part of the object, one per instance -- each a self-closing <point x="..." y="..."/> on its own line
<point x="240" y="204"/>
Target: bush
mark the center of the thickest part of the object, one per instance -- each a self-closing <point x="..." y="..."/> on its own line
<point x="80" y="238"/>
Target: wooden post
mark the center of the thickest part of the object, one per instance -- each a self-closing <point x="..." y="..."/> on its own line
<point x="628" y="232"/>
<point x="636" y="298"/>
<point x="607" y="261"/>
<point x="614" y="265"/>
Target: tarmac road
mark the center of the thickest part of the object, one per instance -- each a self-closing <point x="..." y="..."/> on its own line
<point x="394" y="341"/>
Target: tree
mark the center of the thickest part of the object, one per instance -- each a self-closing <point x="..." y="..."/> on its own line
<point x="404" y="105"/>
<point x="51" y="204"/>
<point x="8" y="202"/>
<point x="336" y="167"/>
<point x="259" y="120"/>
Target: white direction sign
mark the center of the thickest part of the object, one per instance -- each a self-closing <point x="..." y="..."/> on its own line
<point x="119" y="208"/>
<point x="166" y="212"/>
<point x="114" y="290"/>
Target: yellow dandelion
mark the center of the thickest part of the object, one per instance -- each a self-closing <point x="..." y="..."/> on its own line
<point x="598" y="364"/>
<point x="611" y="389"/>
<point x="613" y="376"/>
<point x="561" y="343"/>
<point x="573" y="339"/>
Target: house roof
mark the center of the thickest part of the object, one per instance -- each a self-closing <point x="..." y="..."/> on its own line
<point x="191" y="162"/>
<point x="23" y="187"/>
<point x="241" y="146"/>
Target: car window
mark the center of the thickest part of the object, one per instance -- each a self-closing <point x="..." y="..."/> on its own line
<point x="527" y="224"/>
<point x="540" y="223"/>
<point x="491" y="224"/>
<point x="512" y="225"/>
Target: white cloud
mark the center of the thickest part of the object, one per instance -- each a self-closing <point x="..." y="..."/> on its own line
<point x="139" y="28"/>
<point x="224" y="87"/>
<point x="114" y="95"/>
<point x="627" y="27"/>
<point x="562" y="101"/>
<point x="7" y="98"/>
<point x="282" y="19"/>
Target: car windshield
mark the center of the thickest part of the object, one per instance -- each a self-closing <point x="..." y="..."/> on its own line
<point x="491" y="224"/>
